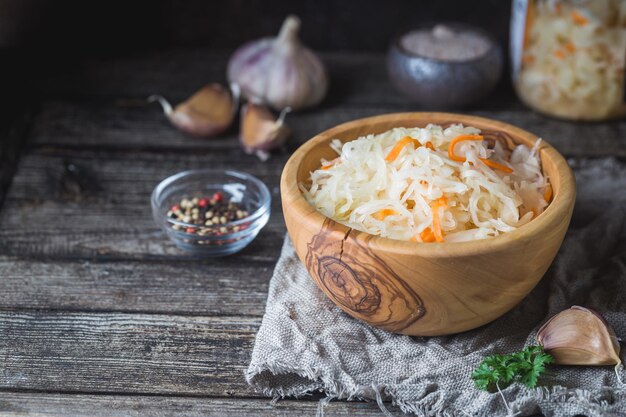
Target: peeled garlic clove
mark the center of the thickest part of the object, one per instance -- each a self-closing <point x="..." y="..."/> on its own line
<point x="281" y="72"/>
<point x="209" y="112"/>
<point x="260" y="132"/>
<point x="579" y="336"/>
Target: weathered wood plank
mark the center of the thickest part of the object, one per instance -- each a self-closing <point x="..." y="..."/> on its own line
<point x="124" y="353"/>
<point x="84" y="124"/>
<point x="216" y="287"/>
<point x="62" y="405"/>
<point x="115" y="124"/>
<point x="356" y="78"/>
<point x="102" y="208"/>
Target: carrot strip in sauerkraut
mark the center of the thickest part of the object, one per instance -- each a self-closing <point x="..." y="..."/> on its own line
<point x="547" y="195"/>
<point x="384" y="213"/>
<point x="437" y="232"/>
<point x="395" y="151"/>
<point x="496" y="165"/>
<point x="458" y="139"/>
<point x="579" y="19"/>
<point x="427" y="235"/>
<point x="486" y="161"/>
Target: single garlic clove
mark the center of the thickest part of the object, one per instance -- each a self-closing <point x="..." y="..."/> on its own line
<point x="209" y="112"/>
<point x="260" y="132"/>
<point x="579" y="336"/>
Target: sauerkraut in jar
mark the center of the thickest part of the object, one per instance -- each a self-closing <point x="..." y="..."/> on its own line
<point x="568" y="57"/>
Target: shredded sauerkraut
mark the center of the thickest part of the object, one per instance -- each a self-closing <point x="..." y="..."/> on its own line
<point x="574" y="59"/>
<point x="410" y="184"/>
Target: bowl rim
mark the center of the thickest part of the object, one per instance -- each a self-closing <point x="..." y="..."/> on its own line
<point x="560" y="207"/>
<point x="264" y="206"/>
<point x="494" y="47"/>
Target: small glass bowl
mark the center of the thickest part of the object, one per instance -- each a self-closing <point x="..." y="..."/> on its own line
<point x="218" y="240"/>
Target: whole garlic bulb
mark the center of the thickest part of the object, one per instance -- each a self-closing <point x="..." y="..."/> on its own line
<point x="279" y="72"/>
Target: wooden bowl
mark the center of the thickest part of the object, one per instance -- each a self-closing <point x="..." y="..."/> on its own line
<point x="424" y="289"/>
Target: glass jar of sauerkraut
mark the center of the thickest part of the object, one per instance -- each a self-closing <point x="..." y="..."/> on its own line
<point x="568" y="57"/>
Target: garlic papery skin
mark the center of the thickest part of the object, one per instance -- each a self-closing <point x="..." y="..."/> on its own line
<point x="209" y="112"/>
<point x="579" y="336"/>
<point x="279" y="72"/>
<point x="260" y="132"/>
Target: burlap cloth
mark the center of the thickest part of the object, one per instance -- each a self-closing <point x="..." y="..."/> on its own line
<point x="306" y="344"/>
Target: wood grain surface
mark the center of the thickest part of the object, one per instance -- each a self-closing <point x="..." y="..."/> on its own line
<point x="357" y="279"/>
<point x="215" y="288"/>
<point x="20" y="404"/>
<point x="94" y="299"/>
<point x="126" y="353"/>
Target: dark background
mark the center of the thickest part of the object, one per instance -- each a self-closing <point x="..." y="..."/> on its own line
<point x="42" y="41"/>
<point x="96" y="27"/>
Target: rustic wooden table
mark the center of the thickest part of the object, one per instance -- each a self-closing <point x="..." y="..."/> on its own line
<point x="99" y="313"/>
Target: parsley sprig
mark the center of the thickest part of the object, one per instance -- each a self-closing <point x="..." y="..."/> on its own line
<point x="498" y="371"/>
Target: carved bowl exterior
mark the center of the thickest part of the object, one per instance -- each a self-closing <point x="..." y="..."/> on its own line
<point x="424" y="289"/>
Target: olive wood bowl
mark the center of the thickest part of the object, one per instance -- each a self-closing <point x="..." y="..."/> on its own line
<point x="424" y="289"/>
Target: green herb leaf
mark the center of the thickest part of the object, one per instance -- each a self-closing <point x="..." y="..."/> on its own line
<point x="525" y="367"/>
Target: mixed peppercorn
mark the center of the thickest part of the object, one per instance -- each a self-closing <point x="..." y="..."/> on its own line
<point x="210" y="216"/>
